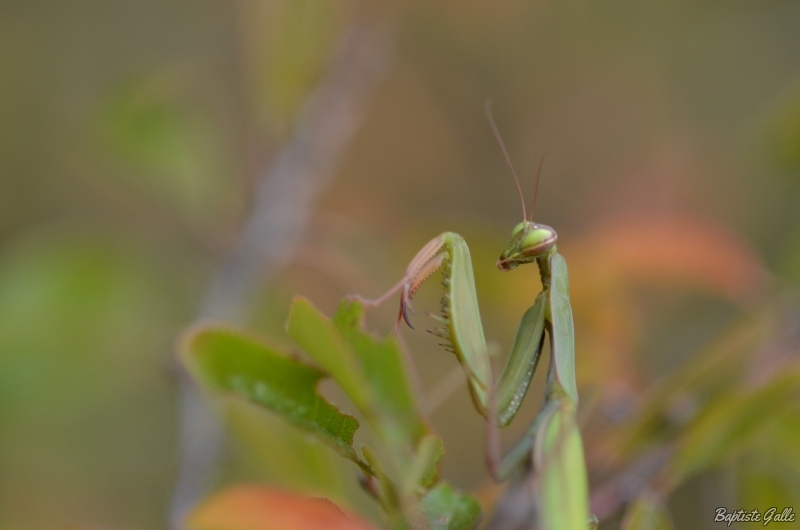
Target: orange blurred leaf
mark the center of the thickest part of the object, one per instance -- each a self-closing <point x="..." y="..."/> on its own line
<point x="259" y="508"/>
<point x="675" y="250"/>
<point x="609" y="265"/>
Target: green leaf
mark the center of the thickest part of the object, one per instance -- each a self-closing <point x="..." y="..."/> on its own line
<point x="447" y="509"/>
<point x="731" y="424"/>
<point x="318" y="336"/>
<point x="783" y="134"/>
<point x="371" y="371"/>
<point x="270" y="448"/>
<point x="159" y="125"/>
<point x="230" y="362"/>
<point x="780" y="443"/>
<point x="647" y="512"/>
<point x="765" y="480"/>
<point x="383" y="366"/>
<point x="426" y="464"/>
<point x="388" y="495"/>
<point x="710" y="373"/>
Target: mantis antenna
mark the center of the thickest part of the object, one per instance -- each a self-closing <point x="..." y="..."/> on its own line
<point x="488" y="108"/>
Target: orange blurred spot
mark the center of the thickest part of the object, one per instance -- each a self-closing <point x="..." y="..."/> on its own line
<point x="259" y="508"/>
<point x="680" y="250"/>
<point x="609" y="265"/>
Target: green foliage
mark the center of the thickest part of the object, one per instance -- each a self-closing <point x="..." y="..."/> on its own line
<point x="297" y="46"/>
<point x="447" y="509"/>
<point x="708" y="375"/>
<point x="729" y="425"/>
<point x="784" y="133"/>
<point x="77" y="310"/>
<point x="403" y="467"/>
<point x="732" y="404"/>
<point x="647" y="512"/>
<point x="369" y="370"/>
<point x="230" y="362"/>
<point x="166" y="144"/>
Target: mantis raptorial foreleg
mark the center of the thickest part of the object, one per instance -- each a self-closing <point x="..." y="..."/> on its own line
<point x="462" y="328"/>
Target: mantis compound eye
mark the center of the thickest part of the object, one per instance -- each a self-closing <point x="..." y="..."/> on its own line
<point x="518" y="228"/>
<point x="540" y="239"/>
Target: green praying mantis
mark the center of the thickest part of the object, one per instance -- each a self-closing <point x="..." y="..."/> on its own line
<point x="548" y="460"/>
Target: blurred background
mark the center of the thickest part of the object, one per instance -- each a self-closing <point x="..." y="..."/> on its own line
<point x="166" y="161"/>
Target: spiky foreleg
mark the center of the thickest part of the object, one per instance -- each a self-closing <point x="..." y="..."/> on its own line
<point x="421" y="267"/>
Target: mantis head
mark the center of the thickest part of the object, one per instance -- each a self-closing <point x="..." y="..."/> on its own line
<point x="529" y="240"/>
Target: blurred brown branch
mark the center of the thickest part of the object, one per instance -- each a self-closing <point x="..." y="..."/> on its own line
<point x="282" y="206"/>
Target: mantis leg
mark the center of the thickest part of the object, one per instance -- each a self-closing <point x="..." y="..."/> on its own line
<point x="561" y="379"/>
<point x="558" y="449"/>
<point x="424" y="264"/>
<point x="561" y="470"/>
<point x="552" y="445"/>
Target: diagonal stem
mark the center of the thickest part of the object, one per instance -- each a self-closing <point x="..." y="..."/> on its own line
<point x="282" y="207"/>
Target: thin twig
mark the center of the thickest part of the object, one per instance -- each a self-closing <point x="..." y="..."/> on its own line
<point x="282" y="206"/>
<point x="612" y="495"/>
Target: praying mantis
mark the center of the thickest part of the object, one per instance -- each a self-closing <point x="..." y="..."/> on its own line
<point x="548" y="460"/>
